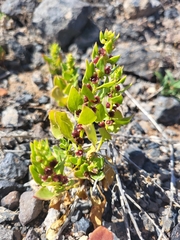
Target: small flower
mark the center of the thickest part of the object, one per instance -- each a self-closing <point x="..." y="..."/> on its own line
<point x="102" y="124"/>
<point x="94" y="78"/>
<point x="89" y="86"/>
<point x="78" y="112"/>
<point x="53" y="163"/>
<point x="79" y="153"/>
<point x="117" y="88"/>
<point x="107" y="70"/>
<point x="111" y="113"/>
<point x="48" y="171"/>
<point x="96" y="100"/>
<point x="108" y="105"/>
<point x="86" y="99"/>
<point x="95" y="60"/>
<point x="109" y="122"/>
<point x="102" y="51"/>
<point x="75" y="134"/>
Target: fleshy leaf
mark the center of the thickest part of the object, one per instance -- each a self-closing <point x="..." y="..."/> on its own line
<point x="100" y="112"/>
<point x="87" y="116"/>
<point x="74" y="99"/>
<point x="54" y="126"/>
<point x="117" y="99"/>
<point x="91" y="133"/>
<point x="87" y="92"/>
<point x="104" y="133"/>
<point x="113" y="59"/>
<point x="94" y="51"/>
<point x="107" y="85"/>
<point x="35" y="174"/>
<point x="44" y="194"/>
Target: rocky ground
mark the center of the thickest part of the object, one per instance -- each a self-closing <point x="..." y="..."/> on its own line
<point x="149" y="42"/>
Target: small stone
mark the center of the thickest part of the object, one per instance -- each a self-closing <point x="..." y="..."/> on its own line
<point x="52" y="216"/>
<point x="7" y="186"/>
<point x="24" y="98"/>
<point x="136" y="155"/>
<point x="76" y="216"/>
<point x="32" y="235"/>
<point x="10" y="117"/>
<point x="37" y="78"/>
<point x="6" y="233"/>
<point x="6" y="215"/>
<point x="83" y="225"/>
<point x="43" y="99"/>
<point x="11" y="201"/>
<point x="29" y="208"/>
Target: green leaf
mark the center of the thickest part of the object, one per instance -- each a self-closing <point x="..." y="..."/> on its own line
<point x="87" y="116"/>
<point x="177" y="84"/>
<point x="59" y="81"/>
<point x="56" y="93"/>
<point x="100" y="112"/>
<point x="89" y="71"/>
<point x="101" y="64"/>
<point x="122" y="80"/>
<point x="101" y="37"/>
<point x="64" y="124"/>
<point x="94" y="51"/>
<point x="74" y="99"/>
<point x="91" y="133"/>
<point x="114" y="59"/>
<point x="104" y="133"/>
<point x="44" y="194"/>
<point x="60" y="124"/>
<point x="107" y="85"/>
<point x="123" y="121"/>
<point x="81" y="172"/>
<point x="98" y="177"/>
<point x="117" y="99"/>
<point x="54" y="126"/>
<point x="87" y="92"/>
<point x="35" y="174"/>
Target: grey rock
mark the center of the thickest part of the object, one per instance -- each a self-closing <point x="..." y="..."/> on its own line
<point x="24" y="98"/>
<point x="37" y="78"/>
<point x="175" y="235"/>
<point x="77" y="215"/>
<point x="20" y="52"/>
<point x="29" y="207"/>
<point x="52" y="216"/>
<point x="43" y="99"/>
<point x="83" y="225"/>
<point x="11" y="167"/>
<point x="88" y="36"/>
<point x="139" y="60"/>
<point x="171" y="13"/>
<point x="7" y="186"/>
<point x="84" y="206"/>
<point x="19" y="9"/>
<point x="7" y="215"/>
<point x="147" y="223"/>
<point x="136" y="155"/>
<point x="6" y="233"/>
<point x="61" y="21"/>
<point x="32" y="235"/>
<point x="140" y="8"/>
<point x="11" y="201"/>
<point x="118" y="228"/>
<point x="166" y="110"/>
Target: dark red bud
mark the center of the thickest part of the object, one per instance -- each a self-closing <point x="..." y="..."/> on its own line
<point x="109" y="122"/>
<point x="102" y="124"/>
<point x="48" y="171"/>
<point x="107" y="70"/>
<point x="117" y="87"/>
<point x="111" y="113"/>
<point x="108" y="105"/>
<point x="53" y="163"/>
<point x="79" y="153"/>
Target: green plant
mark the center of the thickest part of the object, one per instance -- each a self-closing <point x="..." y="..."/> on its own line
<point x="86" y="111"/>
<point x="171" y="87"/>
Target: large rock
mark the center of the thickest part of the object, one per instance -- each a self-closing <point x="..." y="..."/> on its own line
<point x="167" y="110"/>
<point x="61" y="20"/>
<point x="30" y="207"/>
<point x="140" y="8"/>
<point x="12" y="168"/>
<point x="21" y="10"/>
<point x="140" y="60"/>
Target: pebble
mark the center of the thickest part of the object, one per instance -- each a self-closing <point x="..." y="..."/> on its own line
<point x="31" y="235"/>
<point x="77" y="215"/>
<point x="6" y="234"/>
<point x="52" y="216"/>
<point x="11" y="201"/>
<point x="136" y="155"/>
<point x="8" y="186"/>
<point x="44" y="99"/>
<point x="29" y="208"/>
<point x="83" y="225"/>
<point x="11" y="118"/>
<point x="7" y="215"/>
